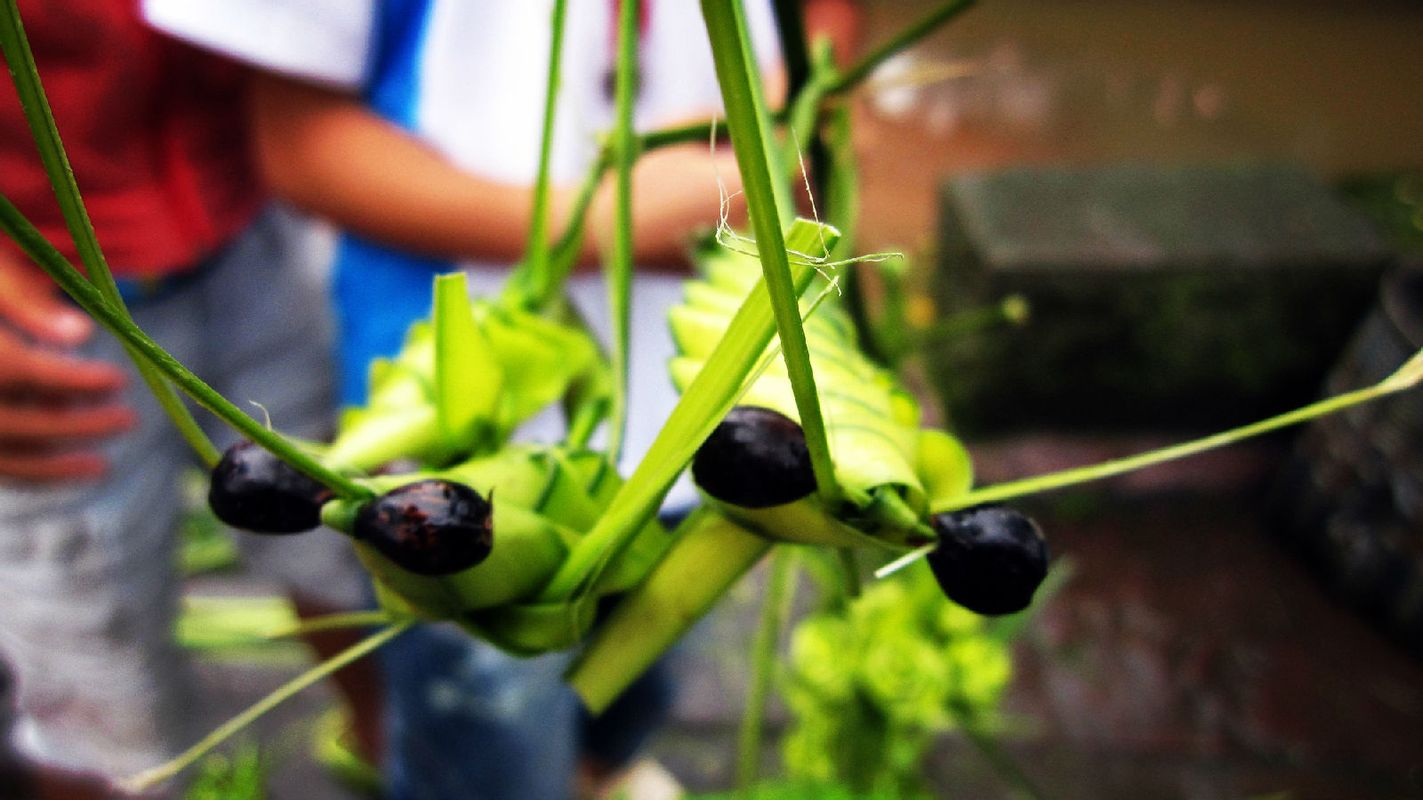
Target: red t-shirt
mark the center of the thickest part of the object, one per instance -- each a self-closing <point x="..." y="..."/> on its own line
<point x="155" y="131"/>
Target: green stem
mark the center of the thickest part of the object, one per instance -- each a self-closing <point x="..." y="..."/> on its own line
<point x="763" y="659"/>
<point x="849" y="571"/>
<point x="1405" y="378"/>
<point x="700" y="408"/>
<point x="848" y="80"/>
<point x="584" y="423"/>
<point x="149" y="778"/>
<point x="682" y="134"/>
<point x="804" y="121"/>
<point x="620" y="255"/>
<point x="569" y="247"/>
<point x="56" y="163"/>
<point x="840" y="186"/>
<point x="906" y="37"/>
<point x="536" y="256"/>
<point x="331" y="622"/>
<point x="534" y="291"/>
<point x="116" y="322"/>
<point x="61" y="176"/>
<point x="765" y="197"/>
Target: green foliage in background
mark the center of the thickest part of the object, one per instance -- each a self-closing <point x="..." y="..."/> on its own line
<point x="239" y="776"/>
<point x="869" y="687"/>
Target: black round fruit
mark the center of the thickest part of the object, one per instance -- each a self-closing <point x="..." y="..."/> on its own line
<point x="256" y="491"/>
<point x="989" y="559"/>
<point x="755" y="458"/>
<point x="430" y="527"/>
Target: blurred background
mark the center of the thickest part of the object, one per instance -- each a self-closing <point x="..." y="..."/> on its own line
<point x="1327" y="83"/>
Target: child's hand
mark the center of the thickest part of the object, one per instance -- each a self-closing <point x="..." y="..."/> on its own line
<point x="53" y="405"/>
<point x="677" y="193"/>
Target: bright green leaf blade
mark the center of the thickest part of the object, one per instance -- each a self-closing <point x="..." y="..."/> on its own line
<point x="711" y="553"/>
<point x="701" y="407"/>
<point x="468" y="379"/>
<point x="541" y="360"/>
<point x="945" y="467"/>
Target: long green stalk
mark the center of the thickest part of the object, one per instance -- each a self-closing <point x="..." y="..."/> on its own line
<point x="774" y="609"/>
<point x="342" y="620"/>
<point x="568" y="248"/>
<point x="700" y="408"/>
<point x="765" y="195"/>
<point x="710" y="555"/>
<point x="1405" y="378"/>
<point x="149" y="778"/>
<point x="847" y="81"/>
<point x="116" y="322"/>
<point x="619" y="264"/>
<point x="56" y="165"/>
<point x="537" y="251"/>
<point x="906" y="37"/>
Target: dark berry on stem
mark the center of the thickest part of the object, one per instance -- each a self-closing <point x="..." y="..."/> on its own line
<point x="755" y="458"/>
<point x="990" y="559"/>
<point x="430" y="527"/>
<point x="256" y="491"/>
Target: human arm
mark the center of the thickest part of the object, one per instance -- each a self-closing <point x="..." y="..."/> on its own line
<point x="54" y="406"/>
<point x="322" y="150"/>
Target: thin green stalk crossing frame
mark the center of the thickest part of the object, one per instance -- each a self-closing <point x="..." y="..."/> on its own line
<point x="568" y="249"/>
<point x="149" y="778"/>
<point x="700" y="408"/>
<point x="37" y="112"/>
<point x="1406" y="377"/>
<point x="988" y="746"/>
<point x="846" y="82"/>
<point x="775" y="609"/>
<point x="536" y="254"/>
<point x="765" y="196"/>
<point x="619" y="266"/>
<point x="341" y="620"/>
<point x="116" y="322"/>
<point x="906" y="37"/>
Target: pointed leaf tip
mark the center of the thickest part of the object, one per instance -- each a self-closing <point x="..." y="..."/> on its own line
<point x="1406" y="376"/>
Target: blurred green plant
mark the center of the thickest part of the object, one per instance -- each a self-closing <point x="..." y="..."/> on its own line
<point x="241" y="775"/>
<point x="796" y="790"/>
<point x="872" y="684"/>
<point x="205" y="544"/>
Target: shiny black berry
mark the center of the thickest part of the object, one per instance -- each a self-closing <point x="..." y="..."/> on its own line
<point x="256" y="491"/>
<point x="990" y="559"/>
<point x="755" y="458"/>
<point x="430" y="527"/>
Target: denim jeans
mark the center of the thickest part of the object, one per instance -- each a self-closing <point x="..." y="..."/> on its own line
<point x="469" y="722"/>
<point x="88" y="581"/>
